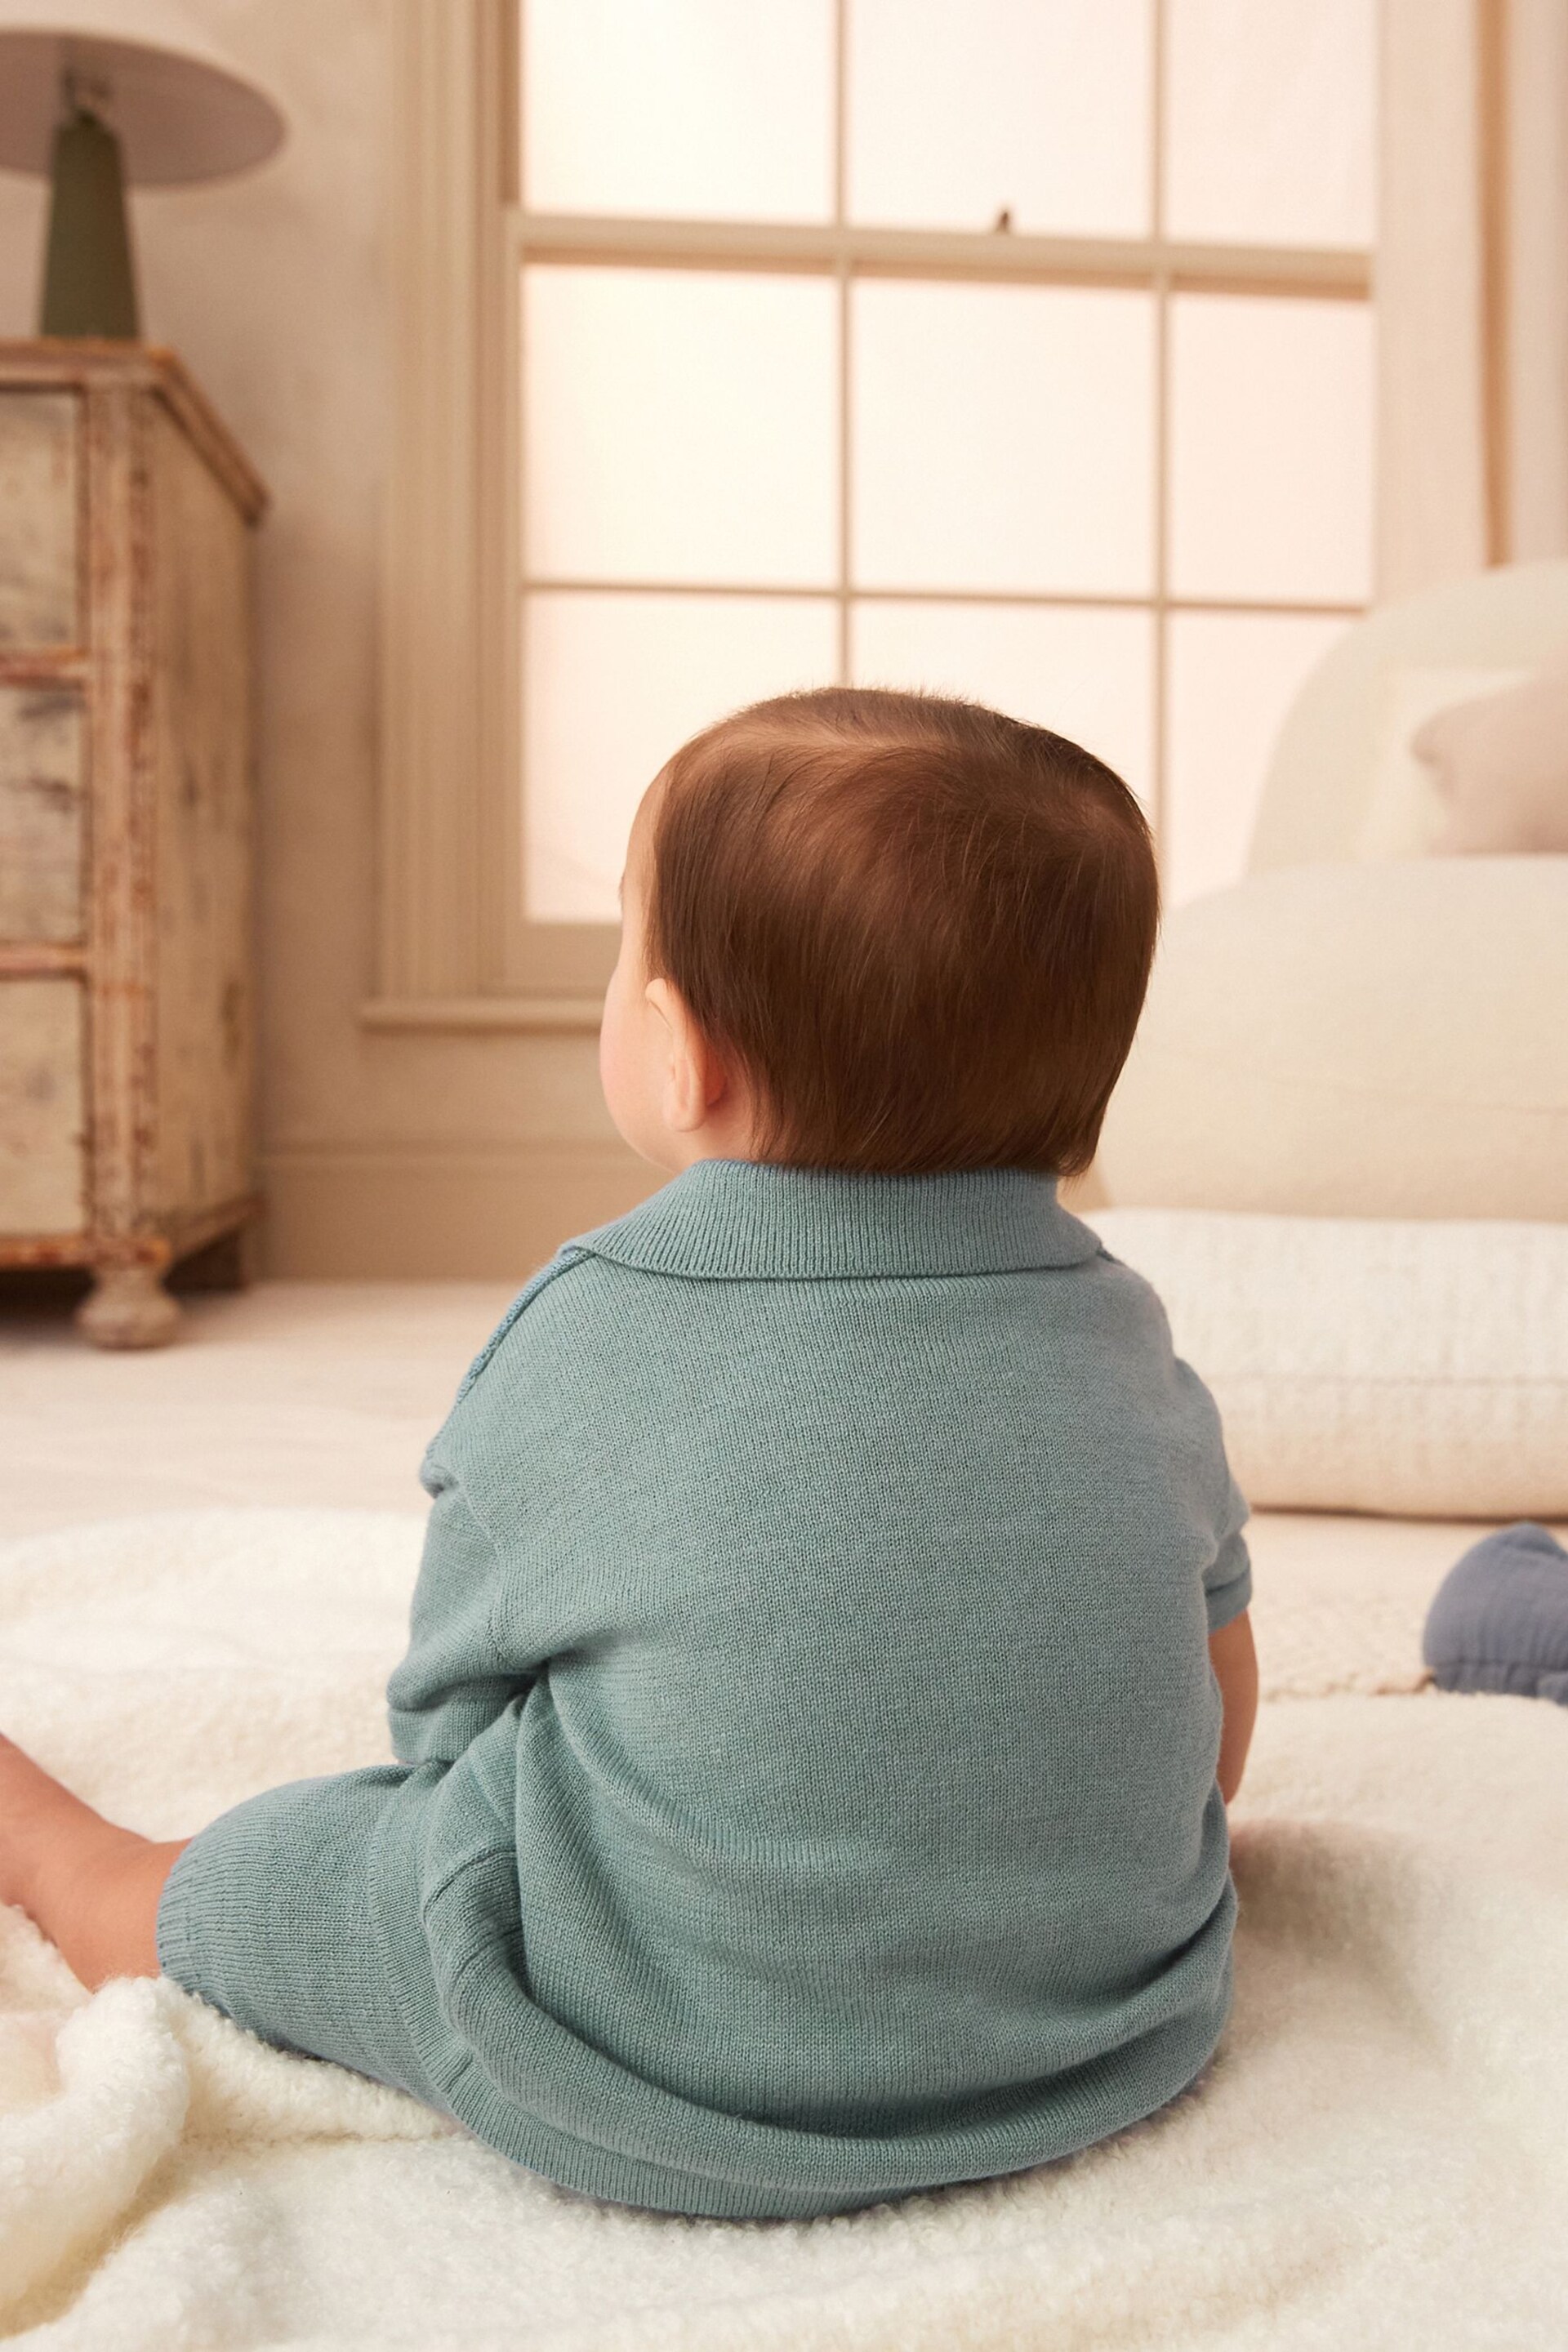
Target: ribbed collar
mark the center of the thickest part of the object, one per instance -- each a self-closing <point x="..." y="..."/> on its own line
<point x="736" y="1220"/>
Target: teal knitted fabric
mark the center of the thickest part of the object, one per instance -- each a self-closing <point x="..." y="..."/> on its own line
<point x="807" y="1735"/>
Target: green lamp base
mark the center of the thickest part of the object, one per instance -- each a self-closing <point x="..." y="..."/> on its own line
<point x="89" y="286"/>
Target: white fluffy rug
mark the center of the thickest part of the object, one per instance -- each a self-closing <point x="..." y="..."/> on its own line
<point x="1378" y="2157"/>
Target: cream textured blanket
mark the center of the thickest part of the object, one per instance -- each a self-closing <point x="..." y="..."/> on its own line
<point x="1378" y="2157"/>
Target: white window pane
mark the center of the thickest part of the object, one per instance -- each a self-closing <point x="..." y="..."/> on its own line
<point x="957" y="108"/>
<point x="680" y="424"/>
<point x="1087" y="674"/>
<point x="1002" y="437"/>
<point x="695" y="108"/>
<point x="611" y="685"/>
<point x="1271" y="419"/>
<point x="1231" y="679"/>
<point x="1269" y="122"/>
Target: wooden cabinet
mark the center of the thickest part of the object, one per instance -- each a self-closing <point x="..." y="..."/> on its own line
<point x="125" y="823"/>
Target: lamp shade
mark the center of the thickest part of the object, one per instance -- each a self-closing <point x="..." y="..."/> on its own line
<point x="182" y="110"/>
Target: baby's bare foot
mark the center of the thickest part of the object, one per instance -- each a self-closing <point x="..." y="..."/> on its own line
<point x="32" y="1803"/>
<point x="92" y="1888"/>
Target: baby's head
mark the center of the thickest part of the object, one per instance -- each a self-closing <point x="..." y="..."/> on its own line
<point x="882" y="932"/>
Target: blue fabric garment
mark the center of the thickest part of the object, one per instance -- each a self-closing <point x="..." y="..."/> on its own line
<point x="1500" y="1618"/>
<point x="807" y="1737"/>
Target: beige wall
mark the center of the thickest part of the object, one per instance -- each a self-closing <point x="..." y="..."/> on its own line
<point x="431" y="1154"/>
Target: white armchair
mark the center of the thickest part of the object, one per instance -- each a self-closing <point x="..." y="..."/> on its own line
<point x="1340" y="1146"/>
<point x="1315" y="797"/>
<point x="1341" y="1035"/>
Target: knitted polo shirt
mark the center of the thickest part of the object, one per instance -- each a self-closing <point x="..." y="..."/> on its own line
<point x="807" y="1737"/>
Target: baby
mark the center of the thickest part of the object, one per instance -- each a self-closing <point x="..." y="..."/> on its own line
<point x="829" y="1661"/>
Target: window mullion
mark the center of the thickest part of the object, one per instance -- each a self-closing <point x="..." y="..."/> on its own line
<point x="1161" y="294"/>
<point x="1331" y="273"/>
<point x="846" y="383"/>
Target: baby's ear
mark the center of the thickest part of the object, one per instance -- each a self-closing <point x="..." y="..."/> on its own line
<point x="685" y="1085"/>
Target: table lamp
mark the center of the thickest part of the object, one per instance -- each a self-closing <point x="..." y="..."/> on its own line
<point x="92" y="109"/>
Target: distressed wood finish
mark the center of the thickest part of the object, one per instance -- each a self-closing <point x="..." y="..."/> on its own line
<point x="42" y="779"/>
<point x="125" y="988"/>
<point x="53" y="363"/>
<point x="202" y="1042"/>
<point x="41" y="1108"/>
<point x="38" y="519"/>
<point x="121" y="915"/>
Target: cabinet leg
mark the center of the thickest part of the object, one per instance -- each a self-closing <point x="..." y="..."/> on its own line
<point x="128" y="1306"/>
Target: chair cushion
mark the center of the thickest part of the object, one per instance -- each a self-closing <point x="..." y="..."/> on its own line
<point x="1500" y="1620"/>
<point x="1356" y="1040"/>
<point x="1314" y="800"/>
<point x="1417" y="1366"/>
<point x="1405" y="812"/>
<point x="1500" y="768"/>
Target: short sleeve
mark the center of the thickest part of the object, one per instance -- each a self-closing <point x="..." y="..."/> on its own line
<point x="451" y="1682"/>
<point x="1227" y="1580"/>
<point x="1219" y="1506"/>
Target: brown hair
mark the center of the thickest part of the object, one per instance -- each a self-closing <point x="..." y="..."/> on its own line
<point x="923" y="931"/>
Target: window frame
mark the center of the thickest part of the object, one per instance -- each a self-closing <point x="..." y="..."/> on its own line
<point x="456" y="950"/>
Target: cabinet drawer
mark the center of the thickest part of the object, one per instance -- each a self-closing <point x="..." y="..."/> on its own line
<point x="41" y="1142"/>
<point x="38" y="569"/>
<point x="42" y="740"/>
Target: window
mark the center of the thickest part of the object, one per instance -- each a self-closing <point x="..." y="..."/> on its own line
<point x="1016" y="348"/>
